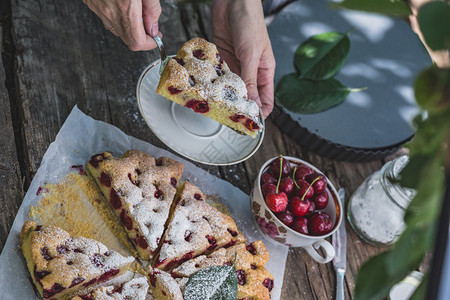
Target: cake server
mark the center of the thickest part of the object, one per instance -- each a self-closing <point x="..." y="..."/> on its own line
<point x="339" y="241"/>
<point x="162" y="52"/>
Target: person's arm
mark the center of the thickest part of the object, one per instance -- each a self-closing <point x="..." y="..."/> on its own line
<point x="134" y="21"/>
<point x="241" y="37"/>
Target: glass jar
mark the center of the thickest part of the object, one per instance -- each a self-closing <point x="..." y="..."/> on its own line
<point x="377" y="208"/>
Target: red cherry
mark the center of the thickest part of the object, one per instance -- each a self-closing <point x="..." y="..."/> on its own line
<point x="268" y="178"/>
<point x="299" y="207"/>
<point x="285" y="217"/>
<point x="320" y="200"/>
<point x="304" y="189"/>
<point x="319" y="182"/>
<point x="301" y="225"/>
<point x="285" y="167"/>
<point x="277" y="202"/>
<point x="311" y="210"/>
<point x="268" y="188"/>
<point x="320" y="223"/>
<point x="302" y="171"/>
<point x="286" y="185"/>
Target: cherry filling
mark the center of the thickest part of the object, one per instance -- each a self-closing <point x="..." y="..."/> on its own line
<point x="55" y="289"/>
<point x="232" y="232"/>
<point x="105" y="179"/>
<point x="197" y="196"/>
<point x="76" y="281"/>
<point x="78" y="168"/>
<point x="268" y="283"/>
<point x="132" y="180"/>
<point x="142" y="242"/>
<point x="46" y="253"/>
<point x="152" y="279"/>
<point x="249" y="124"/>
<point x="212" y="241"/>
<point x="241" y="277"/>
<point x="114" y="199"/>
<point x="158" y="194"/>
<point x="179" y="60"/>
<point x="126" y="220"/>
<point x="90" y="282"/>
<point x="198" y="53"/>
<point x="187" y="236"/>
<point x="253" y="266"/>
<point x="97" y="260"/>
<point x="229" y="244"/>
<point x="96" y="159"/>
<point x="198" y="106"/>
<point x="158" y="162"/>
<point x="38" y="275"/>
<point x="218" y="67"/>
<point x="173" y="90"/>
<point x="250" y="248"/>
<point x="173" y="181"/>
<point x="107" y="275"/>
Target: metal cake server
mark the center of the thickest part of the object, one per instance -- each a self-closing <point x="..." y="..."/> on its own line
<point x="339" y="241"/>
<point x="162" y="52"/>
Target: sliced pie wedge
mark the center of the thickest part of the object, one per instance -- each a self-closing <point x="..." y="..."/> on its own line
<point x="163" y="286"/>
<point x="199" y="79"/>
<point x="134" y="288"/>
<point x="60" y="264"/>
<point x="254" y="281"/>
<point x="140" y="189"/>
<point x="195" y="228"/>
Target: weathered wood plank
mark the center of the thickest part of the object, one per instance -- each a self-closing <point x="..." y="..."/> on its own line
<point x="10" y="177"/>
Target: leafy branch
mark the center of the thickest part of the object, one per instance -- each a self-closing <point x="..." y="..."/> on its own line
<point x="425" y="171"/>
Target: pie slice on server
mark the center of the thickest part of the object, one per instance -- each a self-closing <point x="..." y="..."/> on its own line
<point x="195" y="228"/>
<point x="60" y="264"/>
<point x="140" y="189"/>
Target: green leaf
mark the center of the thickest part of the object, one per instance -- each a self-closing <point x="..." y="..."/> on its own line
<point x="322" y="55"/>
<point x="387" y="7"/>
<point x="219" y="282"/>
<point x="434" y="22"/>
<point x="432" y="89"/>
<point x="307" y="96"/>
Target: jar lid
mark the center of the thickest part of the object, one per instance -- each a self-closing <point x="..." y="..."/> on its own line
<point x="405" y="289"/>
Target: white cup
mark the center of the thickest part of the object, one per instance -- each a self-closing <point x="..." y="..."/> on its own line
<point x="277" y="231"/>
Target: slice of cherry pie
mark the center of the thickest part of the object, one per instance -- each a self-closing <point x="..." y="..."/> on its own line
<point x="199" y="79"/>
<point x="60" y="264"/>
<point x="140" y="189"/>
<point x="195" y="228"/>
<point x="254" y="281"/>
<point x="133" y="289"/>
<point x="163" y="286"/>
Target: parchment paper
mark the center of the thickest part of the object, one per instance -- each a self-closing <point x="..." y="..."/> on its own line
<point x="79" y="138"/>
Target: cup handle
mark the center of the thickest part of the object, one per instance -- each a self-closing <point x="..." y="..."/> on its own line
<point x="326" y="246"/>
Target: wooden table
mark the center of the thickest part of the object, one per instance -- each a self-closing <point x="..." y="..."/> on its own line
<point x="58" y="54"/>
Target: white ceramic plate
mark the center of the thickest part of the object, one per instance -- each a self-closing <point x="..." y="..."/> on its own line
<point x="190" y="134"/>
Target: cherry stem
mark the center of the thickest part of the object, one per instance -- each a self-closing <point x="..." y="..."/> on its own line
<point x="293" y="178"/>
<point x="310" y="186"/>
<point x="279" y="176"/>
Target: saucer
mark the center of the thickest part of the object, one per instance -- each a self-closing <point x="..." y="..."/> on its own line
<point x="191" y="134"/>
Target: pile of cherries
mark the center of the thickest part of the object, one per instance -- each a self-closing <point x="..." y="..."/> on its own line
<point x="297" y="194"/>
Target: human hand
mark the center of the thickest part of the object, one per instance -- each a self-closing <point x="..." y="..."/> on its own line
<point x="135" y="22"/>
<point x="241" y="37"/>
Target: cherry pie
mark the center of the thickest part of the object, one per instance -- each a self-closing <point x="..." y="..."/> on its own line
<point x="141" y="190"/>
<point x="135" y="288"/>
<point x="60" y="264"/>
<point x="194" y="228"/>
<point x="199" y="79"/>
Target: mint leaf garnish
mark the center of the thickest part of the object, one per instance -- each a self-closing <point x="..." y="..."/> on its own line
<point x="218" y="283"/>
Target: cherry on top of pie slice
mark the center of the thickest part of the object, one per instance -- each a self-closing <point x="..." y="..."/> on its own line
<point x="140" y="189"/>
<point x="195" y="228"/>
<point x="199" y="79"/>
<point x="60" y="264"/>
<point x="134" y="288"/>
<point x="254" y="281"/>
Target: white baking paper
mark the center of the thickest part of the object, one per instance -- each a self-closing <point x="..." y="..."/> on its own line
<point x="79" y="138"/>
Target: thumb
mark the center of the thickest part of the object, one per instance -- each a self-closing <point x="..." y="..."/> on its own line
<point x="151" y="10"/>
<point x="249" y="73"/>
